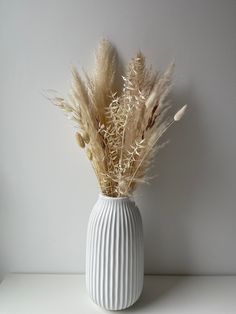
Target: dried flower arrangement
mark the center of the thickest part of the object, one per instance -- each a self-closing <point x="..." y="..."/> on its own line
<point x="120" y="128"/>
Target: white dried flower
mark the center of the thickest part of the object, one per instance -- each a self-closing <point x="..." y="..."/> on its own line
<point x="179" y="114"/>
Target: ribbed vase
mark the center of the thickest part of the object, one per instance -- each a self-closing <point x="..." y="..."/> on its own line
<point x="114" y="254"/>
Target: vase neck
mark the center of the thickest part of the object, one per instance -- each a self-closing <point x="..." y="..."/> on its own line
<point x="114" y="199"/>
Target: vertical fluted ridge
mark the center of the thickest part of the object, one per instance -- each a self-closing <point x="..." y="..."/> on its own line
<point x="114" y="254"/>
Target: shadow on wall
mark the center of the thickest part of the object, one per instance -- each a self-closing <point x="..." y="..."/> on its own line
<point x="166" y="204"/>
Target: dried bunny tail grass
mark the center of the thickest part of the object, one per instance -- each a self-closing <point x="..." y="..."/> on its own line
<point x="80" y="140"/>
<point x="179" y="114"/>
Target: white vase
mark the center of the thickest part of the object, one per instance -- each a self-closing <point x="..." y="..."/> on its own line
<point x="114" y="254"/>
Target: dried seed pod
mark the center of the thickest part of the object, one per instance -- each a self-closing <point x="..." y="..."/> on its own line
<point x="79" y="140"/>
<point x="86" y="137"/>
<point x="89" y="154"/>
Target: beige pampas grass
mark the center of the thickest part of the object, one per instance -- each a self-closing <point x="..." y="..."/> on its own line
<point x="120" y="127"/>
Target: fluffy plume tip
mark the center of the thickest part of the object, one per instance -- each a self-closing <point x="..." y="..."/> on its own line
<point x="179" y="114"/>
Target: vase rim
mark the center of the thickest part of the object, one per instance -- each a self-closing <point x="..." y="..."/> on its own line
<point x="113" y="197"/>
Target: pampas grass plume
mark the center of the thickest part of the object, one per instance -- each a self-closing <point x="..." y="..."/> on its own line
<point x="151" y="98"/>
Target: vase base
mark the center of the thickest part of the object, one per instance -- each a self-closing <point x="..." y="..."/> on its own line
<point x="116" y="308"/>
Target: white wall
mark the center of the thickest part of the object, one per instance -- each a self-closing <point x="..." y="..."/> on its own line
<point x="47" y="185"/>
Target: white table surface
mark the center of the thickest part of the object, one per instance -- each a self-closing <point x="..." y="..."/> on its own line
<point x="66" y="294"/>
